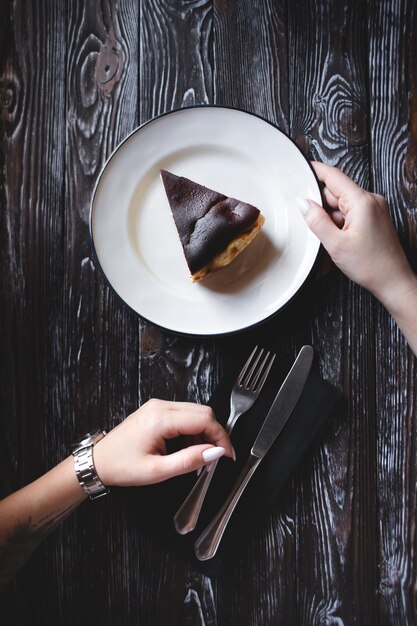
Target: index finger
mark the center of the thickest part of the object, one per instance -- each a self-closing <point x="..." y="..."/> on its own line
<point x="335" y="180"/>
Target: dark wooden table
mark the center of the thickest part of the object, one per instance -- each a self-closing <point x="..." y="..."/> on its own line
<point x="340" y="78"/>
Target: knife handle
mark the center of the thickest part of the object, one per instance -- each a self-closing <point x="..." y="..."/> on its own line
<point x="207" y="544"/>
<point x="186" y="517"/>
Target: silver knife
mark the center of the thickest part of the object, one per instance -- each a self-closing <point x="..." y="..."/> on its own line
<point x="283" y="405"/>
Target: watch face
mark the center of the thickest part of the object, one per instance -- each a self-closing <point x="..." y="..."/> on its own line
<point x="87" y="440"/>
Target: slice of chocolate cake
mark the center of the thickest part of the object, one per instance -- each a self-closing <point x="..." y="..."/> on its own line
<point x="213" y="228"/>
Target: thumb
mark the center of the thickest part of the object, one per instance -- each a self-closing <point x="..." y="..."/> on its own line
<point x="188" y="460"/>
<point x="319" y="222"/>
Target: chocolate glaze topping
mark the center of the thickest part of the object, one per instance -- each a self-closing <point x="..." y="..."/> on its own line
<point x="207" y="221"/>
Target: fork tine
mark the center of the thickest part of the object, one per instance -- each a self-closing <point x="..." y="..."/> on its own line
<point x="258" y="386"/>
<point x="259" y="371"/>
<point x="247" y="379"/>
<point x="245" y="367"/>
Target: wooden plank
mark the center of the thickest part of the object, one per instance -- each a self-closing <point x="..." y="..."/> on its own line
<point x="31" y="235"/>
<point x="102" y="110"/>
<point x="33" y="148"/>
<point x="175" y="56"/>
<point x="335" y="492"/>
<point x="250" y="58"/>
<point x="250" y="72"/>
<point x="393" y="31"/>
<point x="101" y="348"/>
<point x="175" y="71"/>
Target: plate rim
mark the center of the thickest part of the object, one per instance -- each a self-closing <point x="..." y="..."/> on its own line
<point x="96" y="260"/>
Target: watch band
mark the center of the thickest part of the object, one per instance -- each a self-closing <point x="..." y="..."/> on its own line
<point x="84" y="465"/>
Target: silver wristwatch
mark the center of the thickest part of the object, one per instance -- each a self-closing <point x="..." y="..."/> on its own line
<point x="84" y="465"/>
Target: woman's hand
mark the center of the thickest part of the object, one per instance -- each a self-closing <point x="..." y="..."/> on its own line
<point x="134" y="453"/>
<point x="357" y="232"/>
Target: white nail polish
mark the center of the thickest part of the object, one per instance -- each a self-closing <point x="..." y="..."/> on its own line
<point x="212" y="454"/>
<point x="302" y="204"/>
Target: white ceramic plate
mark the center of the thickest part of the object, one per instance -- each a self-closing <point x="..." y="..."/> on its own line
<point x="136" y="242"/>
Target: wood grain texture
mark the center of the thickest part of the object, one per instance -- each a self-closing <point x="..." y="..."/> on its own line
<point x="101" y="336"/>
<point x="335" y="501"/>
<point x="392" y="86"/>
<point x="175" y="59"/>
<point x="175" y="71"/>
<point x="32" y="260"/>
<point x="250" y="72"/>
<point x="76" y="77"/>
<point x="75" y="338"/>
<point x="250" y="58"/>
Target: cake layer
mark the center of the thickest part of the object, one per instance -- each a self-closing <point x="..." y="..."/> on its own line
<point x="231" y="252"/>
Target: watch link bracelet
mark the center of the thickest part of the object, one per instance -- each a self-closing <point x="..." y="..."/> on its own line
<point x="84" y="465"/>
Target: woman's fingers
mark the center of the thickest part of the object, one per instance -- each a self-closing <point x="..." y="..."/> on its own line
<point x="186" y="460"/>
<point x="330" y="199"/>
<point x="182" y="407"/>
<point x="338" y="218"/>
<point x="200" y="421"/>
<point x="336" y="182"/>
<point x="320" y="222"/>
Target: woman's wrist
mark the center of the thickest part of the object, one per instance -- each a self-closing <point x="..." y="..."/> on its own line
<point x="70" y="485"/>
<point x="56" y="492"/>
<point x="401" y="303"/>
<point x="398" y="296"/>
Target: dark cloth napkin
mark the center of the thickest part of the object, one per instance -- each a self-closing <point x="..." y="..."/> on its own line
<point x="157" y="504"/>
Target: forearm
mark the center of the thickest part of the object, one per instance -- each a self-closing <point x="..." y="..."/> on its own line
<point x="28" y="515"/>
<point x="401" y="303"/>
<point x="133" y="453"/>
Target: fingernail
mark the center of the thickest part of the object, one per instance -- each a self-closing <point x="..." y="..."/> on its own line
<point x="234" y="454"/>
<point x="302" y="204"/>
<point x="212" y="454"/>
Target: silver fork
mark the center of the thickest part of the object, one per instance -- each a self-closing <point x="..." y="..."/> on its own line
<point x="246" y="389"/>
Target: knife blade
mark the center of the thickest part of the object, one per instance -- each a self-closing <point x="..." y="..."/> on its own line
<point x="283" y="405"/>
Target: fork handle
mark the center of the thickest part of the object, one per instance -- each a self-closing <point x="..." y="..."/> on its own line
<point x="207" y="544"/>
<point x="186" y="517"/>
